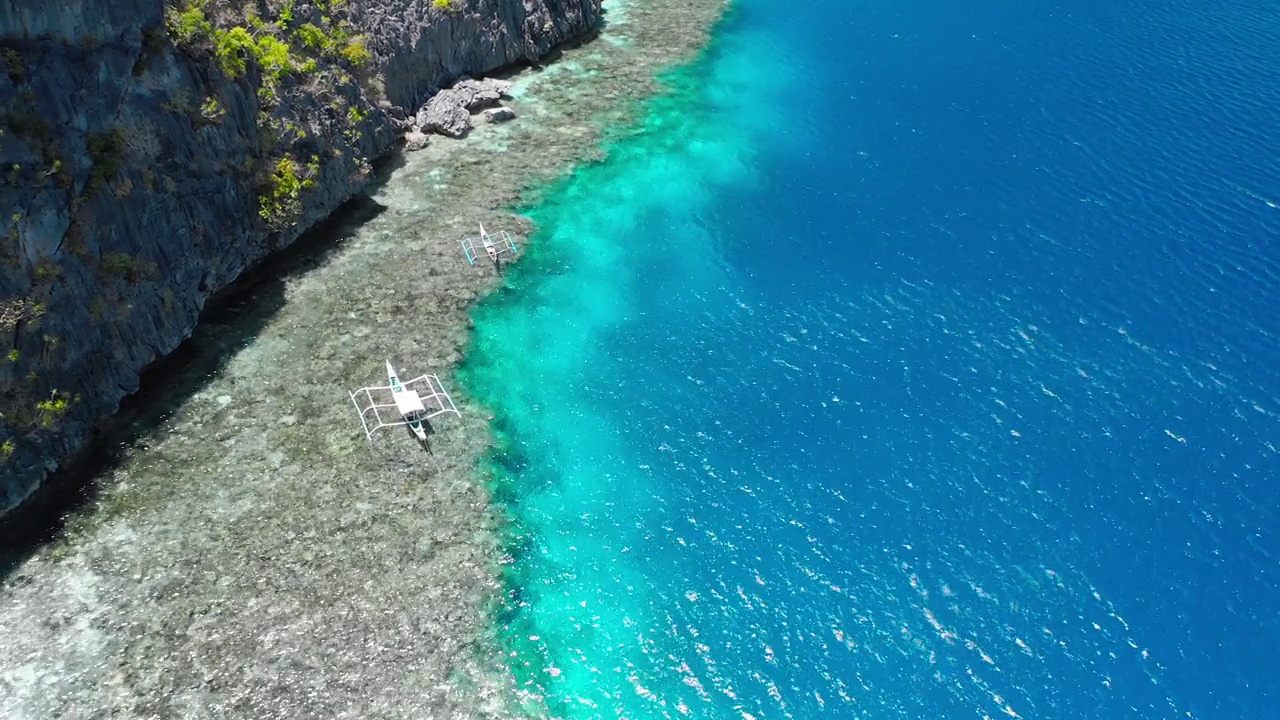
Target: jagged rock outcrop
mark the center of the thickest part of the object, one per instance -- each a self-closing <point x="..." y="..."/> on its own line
<point x="449" y="111"/>
<point x="149" y="157"/>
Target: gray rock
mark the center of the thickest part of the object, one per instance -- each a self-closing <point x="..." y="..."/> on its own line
<point x="484" y="93"/>
<point x="483" y="99"/>
<point x="499" y="114"/>
<point x="414" y="141"/>
<point x="446" y="113"/>
<point x="395" y="112"/>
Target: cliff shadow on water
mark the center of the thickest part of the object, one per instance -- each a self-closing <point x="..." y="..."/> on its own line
<point x="232" y="319"/>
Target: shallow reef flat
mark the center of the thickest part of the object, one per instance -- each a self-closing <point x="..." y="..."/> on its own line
<point x="247" y="556"/>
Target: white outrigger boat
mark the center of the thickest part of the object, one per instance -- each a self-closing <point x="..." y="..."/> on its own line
<point x="493" y="244"/>
<point x="407" y="402"/>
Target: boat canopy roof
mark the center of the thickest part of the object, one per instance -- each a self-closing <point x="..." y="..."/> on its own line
<point x="408" y="402"/>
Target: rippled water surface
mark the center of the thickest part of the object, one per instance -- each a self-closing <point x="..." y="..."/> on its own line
<point x="912" y="359"/>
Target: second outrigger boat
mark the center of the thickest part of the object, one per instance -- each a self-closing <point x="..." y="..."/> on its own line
<point x="494" y="244"/>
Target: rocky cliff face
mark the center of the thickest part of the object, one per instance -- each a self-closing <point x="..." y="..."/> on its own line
<point x="152" y="151"/>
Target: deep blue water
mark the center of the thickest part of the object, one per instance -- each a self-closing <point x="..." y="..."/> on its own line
<point x="919" y="361"/>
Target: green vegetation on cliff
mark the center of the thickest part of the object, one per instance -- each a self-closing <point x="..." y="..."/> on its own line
<point x="17" y="310"/>
<point x="278" y="203"/>
<point x="279" y="45"/>
<point x="292" y="45"/>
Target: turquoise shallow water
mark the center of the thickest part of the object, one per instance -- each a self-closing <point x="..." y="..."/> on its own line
<point x="908" y="361"/>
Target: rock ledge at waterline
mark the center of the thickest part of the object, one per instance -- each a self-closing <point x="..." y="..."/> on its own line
<point x="144" y="171"/>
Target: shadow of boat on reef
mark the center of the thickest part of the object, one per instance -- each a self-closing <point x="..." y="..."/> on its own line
<point x="232" y="319"/>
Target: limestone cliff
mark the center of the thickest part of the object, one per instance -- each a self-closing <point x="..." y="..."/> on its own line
<point x="153" y="150"/>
